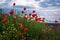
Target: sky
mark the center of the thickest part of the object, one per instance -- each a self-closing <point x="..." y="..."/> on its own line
<point x="50" y="9"/>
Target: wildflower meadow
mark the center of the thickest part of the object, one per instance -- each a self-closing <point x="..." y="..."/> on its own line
<point x="27" y="27"/>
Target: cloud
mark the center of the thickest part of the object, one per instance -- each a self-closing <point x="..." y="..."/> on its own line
<point x="45" y="8"/>
<point x="22" y="2"/>
<point x="50" y="14"/>
<point x="50" y="3"/>
<point x="26" y="3"/>
<point x="2" y="1"/>
<point x="5" y="3"/>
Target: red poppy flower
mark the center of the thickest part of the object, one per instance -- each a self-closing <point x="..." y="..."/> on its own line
<point x="22" y="12"/>
<point x="20" y="25"/>
<point x="4" y="14"/>
<point x="55" y="21"/>
<point x="34" y="15"/>
<point x="59" y="18"/>
<point x="13" y="4"/>
<point x="52" y="27"/>
<point x="24" y="8"/>
<point x="4" y="20"/>
<point x="14" y="18"/>
<point x="33" y="11"/>
<point x="37" y="19"/>
<point x="25" y="18"/>
<point x="29" y="14"/>
<point x="26" y="29"/>
<point x="20" y="34"/>
<point x="12" y="11"/>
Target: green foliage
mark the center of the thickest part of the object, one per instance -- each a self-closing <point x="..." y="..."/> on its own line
<point x="36" y="30"/>
<point x="0" y="11"/>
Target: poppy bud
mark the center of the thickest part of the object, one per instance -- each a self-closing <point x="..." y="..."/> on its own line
<point x="55" y="21"/>
<point x="22" y="12"/>
<point x="29" y="14"/>
<point x="20" y="34"/>
<point x="33" y="11"/>
<point x="13" y="4"/>
<point x="24" y="8"/>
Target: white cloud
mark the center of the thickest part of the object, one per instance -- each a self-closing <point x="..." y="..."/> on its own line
<point x="2" y="1"/>
<point x="23" y="2"/>
<point x="50" y="13"/>
<point x="42" y="0"/>
<point x="26" y="3"/>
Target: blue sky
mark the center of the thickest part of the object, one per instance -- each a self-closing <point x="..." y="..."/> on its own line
<point x="50" y="9"/>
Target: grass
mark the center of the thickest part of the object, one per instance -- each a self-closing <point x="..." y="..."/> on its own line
<point x="36" y="30"/>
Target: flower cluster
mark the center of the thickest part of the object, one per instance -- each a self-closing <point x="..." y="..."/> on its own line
<point x="32" y="16"/>
<point x="24" y="27"/>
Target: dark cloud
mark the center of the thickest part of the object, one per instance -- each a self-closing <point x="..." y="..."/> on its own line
<point x="5" y="2"/>
<point x="48" y="3"/>
<point x="8" y="1"/>
<point x="37" y="0"/>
